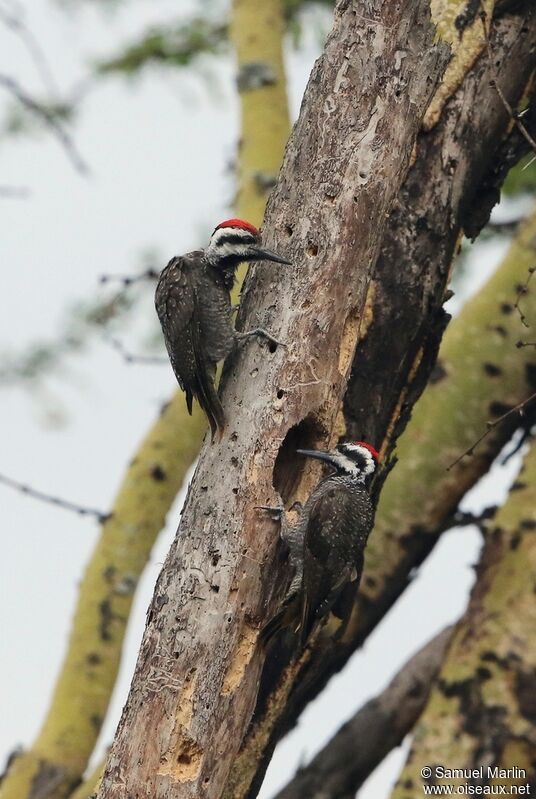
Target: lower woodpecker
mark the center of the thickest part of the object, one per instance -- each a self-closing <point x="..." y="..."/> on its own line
<point x="326" y="545"/>
<point x="193" y="303"/>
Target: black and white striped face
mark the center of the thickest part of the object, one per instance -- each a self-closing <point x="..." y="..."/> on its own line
<point x="231" y="241"/>
<point x="357" y="460"/>
<point x="235" y="241"/>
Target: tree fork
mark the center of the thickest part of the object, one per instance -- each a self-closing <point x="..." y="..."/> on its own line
<point x="405" y="298"/>
<point x="196" y="680"/>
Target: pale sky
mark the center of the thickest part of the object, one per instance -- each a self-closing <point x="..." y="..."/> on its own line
<point x="158" y="149"/>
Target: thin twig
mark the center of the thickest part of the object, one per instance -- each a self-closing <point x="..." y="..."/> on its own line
<point x="514" y="115"/>
<point x="519" y="408"/>
<point x="49" y="118"/>
<point x="14" y="192"/>
<point x="13" y="20"/>
<point x="128" y="280"/>
<point x="516" y="118"/>
<point x="129" y="357"/>
<point x="521" y="292"/>
<point x="81" y="510"/>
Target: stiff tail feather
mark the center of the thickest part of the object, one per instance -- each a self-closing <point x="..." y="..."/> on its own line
<point x="206" y="393"/>
<point x="286" y="616"/>
<point x="210" y="402"/>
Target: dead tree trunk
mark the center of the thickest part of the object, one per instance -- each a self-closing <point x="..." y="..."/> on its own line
<point x="451" y="187"/>
<point x="195" y="684"/>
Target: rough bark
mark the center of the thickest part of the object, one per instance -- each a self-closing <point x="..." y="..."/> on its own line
<point x="54" y="765"/>
<point x="437" y="201"/>
<point x="482" y="713"/>
<point x="341" y="767"/>
<point x="196" y="680"/>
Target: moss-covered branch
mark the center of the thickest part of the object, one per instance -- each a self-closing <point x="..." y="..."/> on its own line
<point x="54" y="765"/>
<point x="482" y="713"/>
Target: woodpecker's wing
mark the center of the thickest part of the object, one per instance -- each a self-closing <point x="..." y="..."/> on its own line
<point x="174" y="302"/>
<point x="180" y="308"/>
<point x="205" y="372"/>
<point x="331" y="550"/>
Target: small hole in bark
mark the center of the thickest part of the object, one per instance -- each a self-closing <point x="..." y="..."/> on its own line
<point x="287" y="466"/>
<point x="288" y="230"/>
<point x="280" y="393"/>
<point x="312" y="250"/>
<point x="272" y="346"/>
<point x="234" y="461"/>
<point x="235" y="490"/>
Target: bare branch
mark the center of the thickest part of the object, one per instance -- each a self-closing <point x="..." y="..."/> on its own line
<point x="521" y="291"/>
<point x="519" y="408"/>
<point x="81" y="510"/>
<point x="342" y="766"/>
<point x="129" y="280"/>
<point x="129" y="357"/>
<point x="49" y="118"/>
<point x="14" y="192"/>
<point x="12" y="18"/>
<point x="515" y="116"/>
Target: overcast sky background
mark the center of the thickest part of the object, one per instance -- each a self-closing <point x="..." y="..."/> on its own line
<point x="157" y="149"/>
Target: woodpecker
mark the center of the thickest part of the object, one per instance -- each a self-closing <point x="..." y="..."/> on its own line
<point x="326" y="545"/>
<point x="193" y="304"/>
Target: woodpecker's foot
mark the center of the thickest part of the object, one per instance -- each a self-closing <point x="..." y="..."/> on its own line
<point x="259" y="332"/>
<point x="293" y="538"/>
<point x="275" y="512"/>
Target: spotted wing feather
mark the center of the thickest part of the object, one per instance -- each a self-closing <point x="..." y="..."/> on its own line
<point x="331" y="555"/>
<point x="180" y="311"/>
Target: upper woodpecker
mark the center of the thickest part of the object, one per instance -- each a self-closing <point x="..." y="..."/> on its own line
<point x="327" y="543"/>
<point x="194" y="307"/>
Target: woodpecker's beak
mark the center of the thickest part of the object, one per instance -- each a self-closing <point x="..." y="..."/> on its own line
<point x="319" y="454"/>
<point x="269" y="255"/>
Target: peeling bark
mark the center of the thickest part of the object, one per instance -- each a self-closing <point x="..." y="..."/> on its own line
<point x="405" y="300"/>
<point x="364" y="105"/>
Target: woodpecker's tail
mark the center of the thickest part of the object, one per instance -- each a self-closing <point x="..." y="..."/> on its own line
<point x="210" y="402"/>
<point x="286" y="616"/>
<point x="206" y="393"/>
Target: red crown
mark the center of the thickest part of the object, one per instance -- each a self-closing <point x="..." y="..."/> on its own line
<point x="370" y="448"/>
<point x="239" y="223"/>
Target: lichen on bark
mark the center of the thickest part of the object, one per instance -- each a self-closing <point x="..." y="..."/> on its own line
<point x="482" y="713"/>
